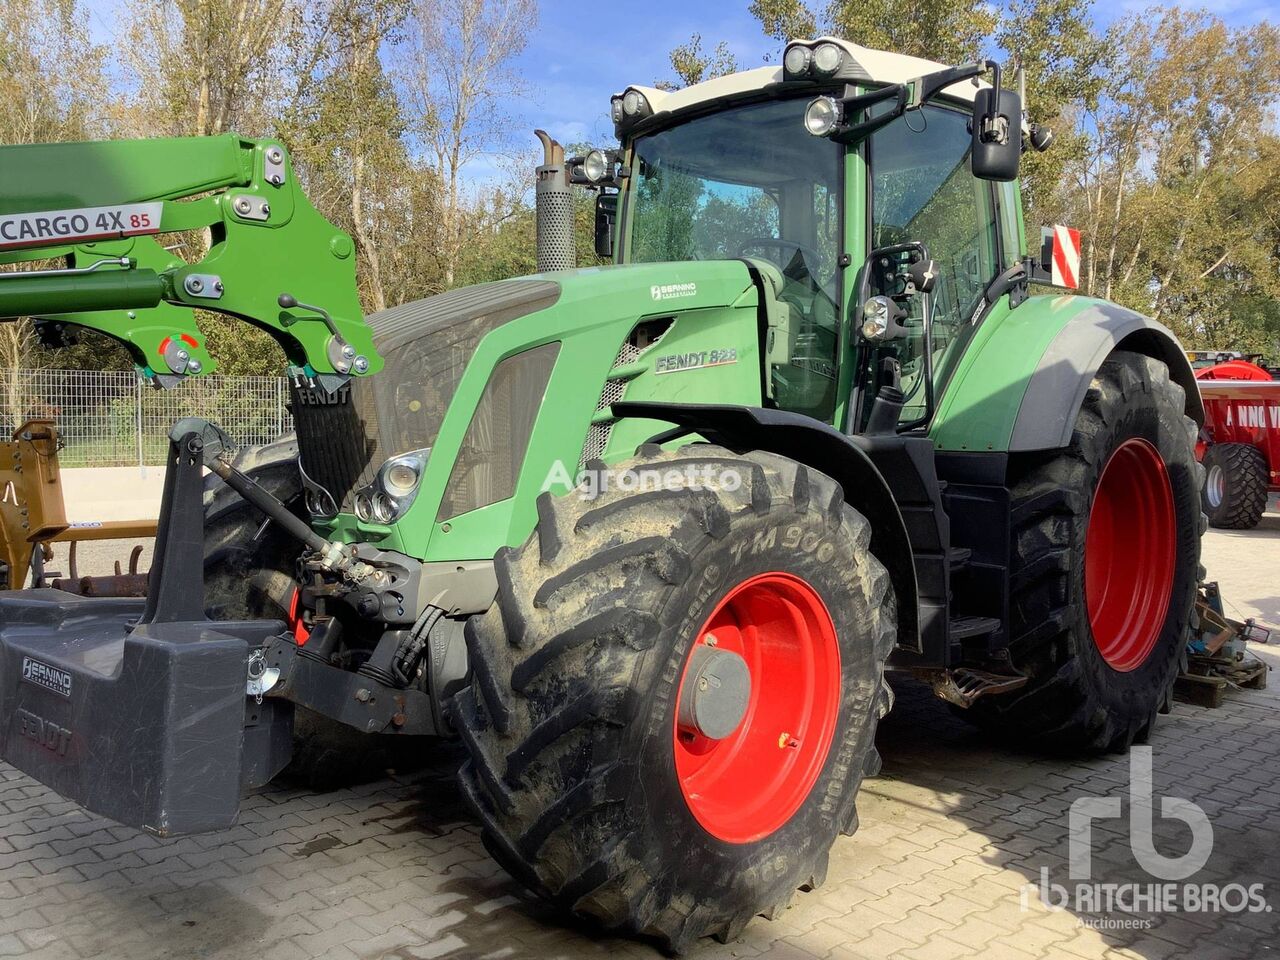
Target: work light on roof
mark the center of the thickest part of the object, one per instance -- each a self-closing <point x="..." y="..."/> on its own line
<point x="595" y="166"/>
<point x="615" y="109"/>
<point x="632" y="103"/>
<point x="796" y="60"/>
<point x="826" y="59"/>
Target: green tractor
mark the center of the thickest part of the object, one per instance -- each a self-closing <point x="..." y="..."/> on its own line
<point x="646" y="537"/>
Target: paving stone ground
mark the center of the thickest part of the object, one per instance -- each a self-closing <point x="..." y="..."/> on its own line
<point x="952" y="832"/>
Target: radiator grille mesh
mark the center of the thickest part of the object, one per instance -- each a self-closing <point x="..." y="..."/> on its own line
<point x="643" y="338"/>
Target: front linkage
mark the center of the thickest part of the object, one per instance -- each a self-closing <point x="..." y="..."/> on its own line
<point x="145" y="712"/>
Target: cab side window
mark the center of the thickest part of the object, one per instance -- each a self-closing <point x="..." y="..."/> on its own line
<point x="922" y="189"/>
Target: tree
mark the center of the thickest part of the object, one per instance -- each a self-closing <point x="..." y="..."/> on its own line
<point x="692" y="66"/>
<point x="205" y="67"/>
<point x="346" y="127"/>
<point x="458" y="79"/>
<point x="950" y="31"/>
<point x="1175" y="191"/>
<point x="1064" y="58"/>
<point x="51" y="75"/>
<point x="1055" y="41"/>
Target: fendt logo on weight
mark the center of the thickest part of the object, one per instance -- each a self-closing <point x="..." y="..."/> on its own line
<point x="44" y="732"/>
<point x="43" y="675"/>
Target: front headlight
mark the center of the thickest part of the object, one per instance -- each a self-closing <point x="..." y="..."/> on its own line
<point x="400" y="477"/>
<point x="393" y="491"/>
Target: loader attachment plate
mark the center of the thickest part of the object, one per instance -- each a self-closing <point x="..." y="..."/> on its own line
<point x="146" y="724"/>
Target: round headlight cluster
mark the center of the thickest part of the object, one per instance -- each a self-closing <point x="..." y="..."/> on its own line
<point x="801" y="61"/>
<point x="826" y="58"/>
<point x="821" y="116"/>
<point x="632" y="103"/>
<point x="797" y="58"/>
<point x="393" y="492"/>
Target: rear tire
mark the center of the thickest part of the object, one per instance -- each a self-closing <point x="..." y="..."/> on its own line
<point x="249" y="575"/>
<point x="1094" y="686"/>
<point x="578" y="771"/>
<point x="1235" y="485"/>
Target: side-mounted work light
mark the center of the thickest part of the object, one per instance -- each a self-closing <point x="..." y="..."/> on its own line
<point x="822" y="116"/>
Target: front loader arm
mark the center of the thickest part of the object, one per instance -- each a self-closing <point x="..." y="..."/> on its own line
<point x="101" y="206"/>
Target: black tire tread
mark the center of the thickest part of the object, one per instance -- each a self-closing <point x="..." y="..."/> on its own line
<point x="568" y="637"/>
<point x="1058" y="709"/>
<point x="1246" y="478"/>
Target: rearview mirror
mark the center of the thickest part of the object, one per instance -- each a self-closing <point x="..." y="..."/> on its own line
<point x="606" y="216"/>
<point x="997" y="134"/>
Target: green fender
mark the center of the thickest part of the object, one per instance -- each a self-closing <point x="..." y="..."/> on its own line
<point x="1024" y="376"/>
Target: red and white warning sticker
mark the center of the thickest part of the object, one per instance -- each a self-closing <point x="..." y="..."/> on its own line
<point x="1066" y="257"/>
<point x="77" y="226"/>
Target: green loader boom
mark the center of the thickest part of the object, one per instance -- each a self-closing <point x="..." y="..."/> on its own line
<point x="151" y="231"/>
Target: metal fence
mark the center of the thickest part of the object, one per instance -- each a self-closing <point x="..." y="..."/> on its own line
<point x="111" y="418"/>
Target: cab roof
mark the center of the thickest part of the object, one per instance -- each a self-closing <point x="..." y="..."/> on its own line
<point x="874" y="66"/>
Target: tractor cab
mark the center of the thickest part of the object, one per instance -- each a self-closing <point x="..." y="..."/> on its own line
<point x="837" y="187"/>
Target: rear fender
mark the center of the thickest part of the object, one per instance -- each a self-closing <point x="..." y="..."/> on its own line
<point x="1024" y="376"/>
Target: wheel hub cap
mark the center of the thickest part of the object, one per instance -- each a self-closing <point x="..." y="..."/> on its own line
<point x="757" y="706"/>
<point x="1130" y="554"/>
<point x="715" y="692"/>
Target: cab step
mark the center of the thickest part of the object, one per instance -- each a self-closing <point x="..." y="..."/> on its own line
<point x="964" y="685"/>
<point x="966" y="628"/>
<point x="958" y="558"/>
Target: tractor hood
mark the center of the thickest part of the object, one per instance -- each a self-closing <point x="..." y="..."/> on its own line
<point x="505" y="380"/>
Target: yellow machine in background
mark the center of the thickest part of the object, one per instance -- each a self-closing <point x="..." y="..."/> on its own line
<point x="33" y="517"/>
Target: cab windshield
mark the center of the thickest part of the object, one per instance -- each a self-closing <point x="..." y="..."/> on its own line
<point x="752" y="182"/>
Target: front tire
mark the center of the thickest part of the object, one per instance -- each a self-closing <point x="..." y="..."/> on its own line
<point x="1235" y="485"/>
<point x="592" y="784"/>
<point x="1105" y="556"/>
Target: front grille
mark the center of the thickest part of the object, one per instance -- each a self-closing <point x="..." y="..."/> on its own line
<point x="336" y="440"/>
<point x="426" y="345"/>
<point x="643" y="337"/>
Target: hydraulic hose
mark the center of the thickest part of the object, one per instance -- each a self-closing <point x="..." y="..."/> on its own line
<point x="273" y="508"/>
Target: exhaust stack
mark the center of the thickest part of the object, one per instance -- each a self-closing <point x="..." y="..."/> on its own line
<point x="553" y="207"/>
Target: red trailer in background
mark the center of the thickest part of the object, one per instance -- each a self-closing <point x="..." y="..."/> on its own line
<point x="1240" y="443"/>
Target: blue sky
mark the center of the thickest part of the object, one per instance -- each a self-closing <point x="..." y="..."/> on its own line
<point x="573" y="64"/>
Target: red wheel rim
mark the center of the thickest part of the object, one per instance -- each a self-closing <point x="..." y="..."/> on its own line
<point x="745" y="786"/>
<point x="1129" y="554"/>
